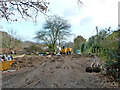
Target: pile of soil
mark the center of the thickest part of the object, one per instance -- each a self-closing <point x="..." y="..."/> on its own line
<point x="27" y="62"/>
<point x="33" y="61"/>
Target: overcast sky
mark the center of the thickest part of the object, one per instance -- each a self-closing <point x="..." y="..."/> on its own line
<point x="101" y="13"/>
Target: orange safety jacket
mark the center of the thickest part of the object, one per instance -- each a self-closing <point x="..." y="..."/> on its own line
<point x="69" y="49"/>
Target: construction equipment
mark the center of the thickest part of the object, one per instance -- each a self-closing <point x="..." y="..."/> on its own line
<point x="5" y="62"/>
<point x="5" y="65"/>
<point x="47" y="53"/>
<point x="63" y="50"/>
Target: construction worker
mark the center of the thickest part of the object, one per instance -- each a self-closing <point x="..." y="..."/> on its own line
<point x="69" y="50"/>
<point x="9" y="57"/>
<point x="1" y="59"/>
<point x="63" y="50"/>
<point x="78" y="52"/>
<point x="4" y="57"/>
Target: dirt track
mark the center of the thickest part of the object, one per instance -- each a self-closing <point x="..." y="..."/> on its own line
<point x="54" y="72"/>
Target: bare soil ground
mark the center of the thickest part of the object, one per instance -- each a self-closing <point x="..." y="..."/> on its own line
<point x="54" y="72"/>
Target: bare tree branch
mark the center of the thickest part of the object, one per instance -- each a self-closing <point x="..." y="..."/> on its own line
<point x="23" y="7"/>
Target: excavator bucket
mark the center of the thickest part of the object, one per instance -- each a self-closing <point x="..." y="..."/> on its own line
<point x="5" y="65"/>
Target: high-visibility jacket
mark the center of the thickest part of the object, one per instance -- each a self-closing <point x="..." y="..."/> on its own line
<point x="69" y="49"/>
<point x="63" y="50"/>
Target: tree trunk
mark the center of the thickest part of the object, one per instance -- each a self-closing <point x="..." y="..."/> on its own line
<point x="54" y="46"/>
<point x="59" y="43"/>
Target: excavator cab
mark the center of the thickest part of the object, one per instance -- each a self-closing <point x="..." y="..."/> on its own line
<point x="65" y="50"/>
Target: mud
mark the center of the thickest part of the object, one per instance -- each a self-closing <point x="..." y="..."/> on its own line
<point x="54" y="72"/>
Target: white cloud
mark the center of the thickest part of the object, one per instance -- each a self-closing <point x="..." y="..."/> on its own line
<point x="103" y="11"/>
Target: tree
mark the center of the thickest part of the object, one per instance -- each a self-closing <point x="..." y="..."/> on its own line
<point x="55" y="29"/>
<point x="83" y="48"/>
<point x="10" y="40"/>
<point x="33" y="49"/>
<point x="80" y="2"/>
<point x="78" y="41"/>
<point x="23" y="7"/>
<point x="97" y="41"/>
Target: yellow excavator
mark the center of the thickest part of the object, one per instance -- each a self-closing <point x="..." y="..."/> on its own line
<point x="5" y="65"/>
<point x="65" y="50"/>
